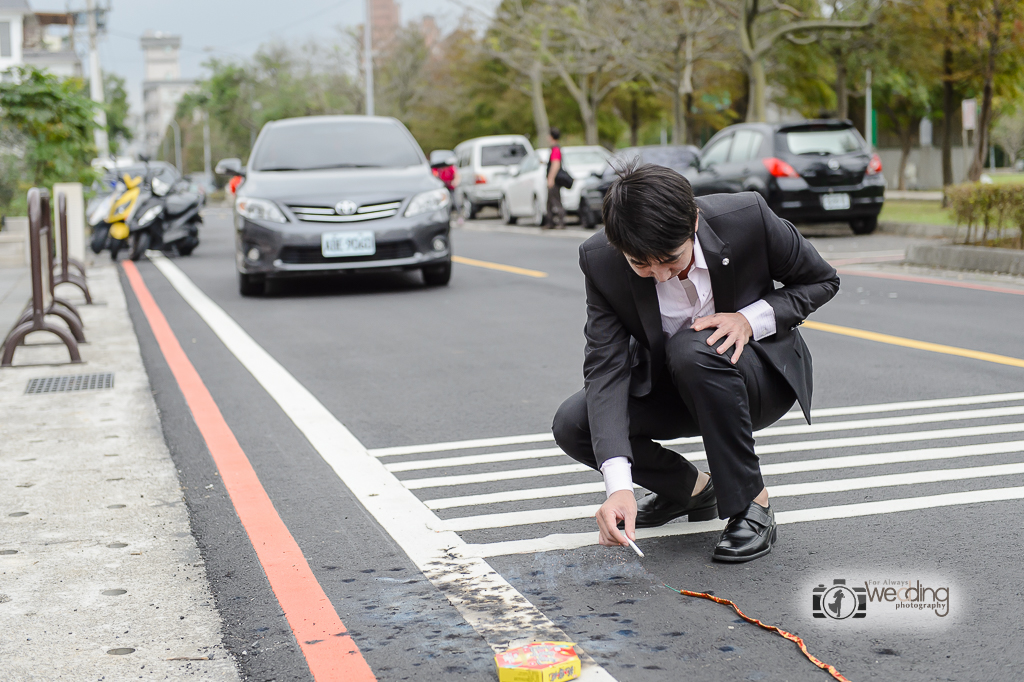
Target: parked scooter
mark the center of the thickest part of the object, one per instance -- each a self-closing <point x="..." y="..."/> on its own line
<point x="167" y="218"/>
<point x="122" y="208"/>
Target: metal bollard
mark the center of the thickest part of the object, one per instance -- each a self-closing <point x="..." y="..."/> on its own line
<point x="65" y="276"/>
<point x="43" y="303"/>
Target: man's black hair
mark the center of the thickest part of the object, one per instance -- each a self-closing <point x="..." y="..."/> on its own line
<point x="556" y="133"/>
<point x="648" y="211"/>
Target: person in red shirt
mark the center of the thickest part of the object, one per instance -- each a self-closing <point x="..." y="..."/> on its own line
<point x="234" y="182"/>
<point x="556" y="213"/>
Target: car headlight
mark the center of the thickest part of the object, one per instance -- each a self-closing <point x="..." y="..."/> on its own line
<point x="150" y="215"/>
<point x="160" y="187"/>
<point x="424" y="202"/>
<point x="259" y="209"/>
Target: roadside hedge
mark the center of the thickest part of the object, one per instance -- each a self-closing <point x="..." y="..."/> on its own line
<point x="988" y="210"/>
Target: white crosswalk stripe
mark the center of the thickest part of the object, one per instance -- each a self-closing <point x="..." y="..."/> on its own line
<point x="488" y="489"/>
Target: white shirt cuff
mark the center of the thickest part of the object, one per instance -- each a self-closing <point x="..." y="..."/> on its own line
<point x="618" y="475"/>
<point x="761" y="317"/>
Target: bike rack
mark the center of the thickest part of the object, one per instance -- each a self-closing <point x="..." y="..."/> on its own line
<point x="43" y="302"/>
<point x="65" y="276"/>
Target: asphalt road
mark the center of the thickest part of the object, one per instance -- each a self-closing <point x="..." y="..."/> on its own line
<point x="493" y="355"/>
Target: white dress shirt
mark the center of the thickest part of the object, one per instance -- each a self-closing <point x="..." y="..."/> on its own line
<point x="682" y="301"/>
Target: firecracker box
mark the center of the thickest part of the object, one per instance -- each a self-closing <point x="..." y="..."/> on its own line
<point x="539" y="662"/>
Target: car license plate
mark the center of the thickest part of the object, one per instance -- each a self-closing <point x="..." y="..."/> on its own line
<point x="835" y="202"/>
<point x="335" y="244"/>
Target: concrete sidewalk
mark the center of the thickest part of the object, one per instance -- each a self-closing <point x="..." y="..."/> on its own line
<point x="100" y="577"/>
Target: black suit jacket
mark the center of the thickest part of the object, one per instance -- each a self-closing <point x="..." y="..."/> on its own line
<point x="747" y="248"/>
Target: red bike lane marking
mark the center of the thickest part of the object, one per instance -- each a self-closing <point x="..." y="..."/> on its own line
<point x="331" y="654"/>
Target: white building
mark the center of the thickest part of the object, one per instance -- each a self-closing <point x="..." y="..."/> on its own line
<point x="45" y="40"/>
<point x="12" y="20"/>
<point x="162" y="88"/>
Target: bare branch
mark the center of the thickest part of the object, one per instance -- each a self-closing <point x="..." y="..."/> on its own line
<point x="765" y="43"/>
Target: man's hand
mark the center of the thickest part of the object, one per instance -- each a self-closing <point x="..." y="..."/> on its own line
<point x="620" y="506"/>
<point x="733" y="327"/>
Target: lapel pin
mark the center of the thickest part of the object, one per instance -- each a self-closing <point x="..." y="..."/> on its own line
<point x="725" y="261"/>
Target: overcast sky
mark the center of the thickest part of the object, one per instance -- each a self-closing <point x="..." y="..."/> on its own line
<point x="226" y="28"/>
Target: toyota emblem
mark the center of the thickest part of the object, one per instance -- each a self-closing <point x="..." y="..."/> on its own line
<point x="345" y="207"/>
<point x="832" y="163"/>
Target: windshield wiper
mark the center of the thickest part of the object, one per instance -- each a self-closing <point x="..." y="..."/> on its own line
<point x="279" y="168"/>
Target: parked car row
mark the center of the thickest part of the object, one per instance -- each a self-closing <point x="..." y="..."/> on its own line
<point x="808" y="172"/>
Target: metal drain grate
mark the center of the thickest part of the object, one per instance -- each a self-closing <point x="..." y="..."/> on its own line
<point x="77" y="382"/>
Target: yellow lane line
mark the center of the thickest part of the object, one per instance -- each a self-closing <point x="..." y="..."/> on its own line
<point x="498" y="266"/>
<point x="911" y="343"/>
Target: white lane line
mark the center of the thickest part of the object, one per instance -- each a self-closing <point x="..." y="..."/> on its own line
<point x="564" y="541"/>
<point x="586" y="488"/>
<point x="874" y="459"/>
<point x="880" y="458"/>
<point x="882" y="422"/>
<point x="462" y="445"/>
<point x="772" y="448"/>
<point x="823" y="412"/>
<point x="466" y="479"/>
<point x="466" y="460"/>
<point x="486" y="600"/>
<point x="515" y="496"/>
<point x="525" y="518"/>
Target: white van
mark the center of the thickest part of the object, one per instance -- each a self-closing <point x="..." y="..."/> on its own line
<point x="484" y="164"/>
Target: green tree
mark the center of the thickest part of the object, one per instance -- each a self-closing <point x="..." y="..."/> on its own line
<point x="54" y="118"/>
<point x="116" y="104"/>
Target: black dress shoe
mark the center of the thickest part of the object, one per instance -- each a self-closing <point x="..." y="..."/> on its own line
<point x="748" y="535"/>
<point x="656" y="510"/>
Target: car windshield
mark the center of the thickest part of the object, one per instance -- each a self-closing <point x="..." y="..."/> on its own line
<point x="322" y="145"/>
<point x="843" y="141"/>
<point x="502" y="154"/>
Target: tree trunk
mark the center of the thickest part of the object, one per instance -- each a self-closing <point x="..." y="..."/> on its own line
<point x="540" y="112"/>
<point x="756" y="106"/>
<point x="842" y="97"/>
<point x="634" y="120"/>
<point x="984" y="121"/>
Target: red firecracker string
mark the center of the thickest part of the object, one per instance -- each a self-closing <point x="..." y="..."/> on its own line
<point x="788" y="635"/>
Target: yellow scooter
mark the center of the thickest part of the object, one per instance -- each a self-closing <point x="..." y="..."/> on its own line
<point x="121" y="210"/>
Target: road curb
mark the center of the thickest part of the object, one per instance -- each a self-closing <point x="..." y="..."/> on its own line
<point x="952" y="257"/>
<point x="917" y="229"/>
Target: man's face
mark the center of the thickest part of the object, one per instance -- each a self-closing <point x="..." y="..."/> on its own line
<point x="665" y="268"/>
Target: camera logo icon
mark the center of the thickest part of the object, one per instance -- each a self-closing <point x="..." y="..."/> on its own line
<point x="839" y="601"/>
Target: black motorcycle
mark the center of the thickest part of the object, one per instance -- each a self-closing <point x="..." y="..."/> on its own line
<point x="167" y="218"/>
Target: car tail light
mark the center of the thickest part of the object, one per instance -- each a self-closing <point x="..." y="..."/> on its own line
<point x="481" y="180"/>
<point x="875" y="165"/>
<point x="779" y="168"/>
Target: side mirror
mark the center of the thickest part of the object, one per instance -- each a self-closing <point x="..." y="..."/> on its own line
<point x="229" y="167"/>
<point x="514" y="171"/>
<point x="145" y="158"/>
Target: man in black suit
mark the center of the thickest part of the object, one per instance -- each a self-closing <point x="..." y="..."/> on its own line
<point x="687" y="335"/>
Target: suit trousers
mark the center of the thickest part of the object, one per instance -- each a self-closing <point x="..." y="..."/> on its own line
<point x="700" y="393"/>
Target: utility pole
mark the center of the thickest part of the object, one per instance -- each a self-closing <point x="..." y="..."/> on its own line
<point x="96" y="85"/>
<point x="368" y="57"/>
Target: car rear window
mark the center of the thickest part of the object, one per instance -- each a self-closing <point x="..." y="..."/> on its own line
<point x="584" y="156"/>
<point x="842" y="141"/>
<point x="502" y="154"/>
<point x="321" y="145"/>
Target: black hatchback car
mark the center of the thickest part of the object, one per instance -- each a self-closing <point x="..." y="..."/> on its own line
<point x="809" y="172"/>
<point x="335" y="194"/>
